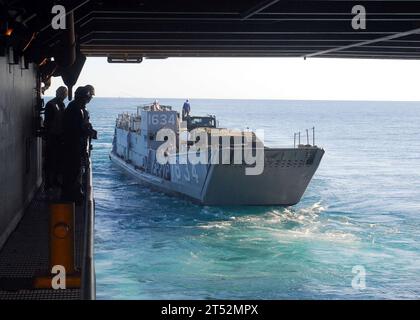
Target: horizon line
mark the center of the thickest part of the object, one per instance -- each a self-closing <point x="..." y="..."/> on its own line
<point x="256" y="99"/>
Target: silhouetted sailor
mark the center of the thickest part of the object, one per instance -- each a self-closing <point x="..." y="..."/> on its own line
<point x="74" y="145"/>
<point x="53" y="123"/>
<point x="90" y="132"/>
<point x="91" y="91"/>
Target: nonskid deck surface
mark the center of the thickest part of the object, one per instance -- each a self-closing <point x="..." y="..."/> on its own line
<point x="26" y="254"/>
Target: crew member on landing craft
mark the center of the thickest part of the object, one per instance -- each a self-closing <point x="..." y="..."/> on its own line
<point x="186" y="109"/>
<point x="156" y="106"/>
<point x="54" y="112"/>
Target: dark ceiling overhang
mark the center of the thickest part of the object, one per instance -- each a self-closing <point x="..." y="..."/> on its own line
<point x="247" y="28"/>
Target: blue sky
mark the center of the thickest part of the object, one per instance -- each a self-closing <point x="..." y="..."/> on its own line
<point x="254" y="78"/>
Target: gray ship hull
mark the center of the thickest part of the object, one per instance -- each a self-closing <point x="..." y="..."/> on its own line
<point x="286" y="175"/>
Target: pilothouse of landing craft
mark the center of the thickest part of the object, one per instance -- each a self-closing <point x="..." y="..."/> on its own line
<point x="278" y="176"/>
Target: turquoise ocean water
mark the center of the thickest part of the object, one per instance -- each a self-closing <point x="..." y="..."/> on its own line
<point x="362" y="208"/>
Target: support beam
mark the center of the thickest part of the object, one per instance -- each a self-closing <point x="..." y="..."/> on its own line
<point x="258" y="8"/>
<point x="359" y="44"/>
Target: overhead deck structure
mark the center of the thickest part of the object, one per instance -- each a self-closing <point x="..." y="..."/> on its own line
<point x="253" y="29"/>
<point x="226" y="28"/>
<point x="32" y="51"/>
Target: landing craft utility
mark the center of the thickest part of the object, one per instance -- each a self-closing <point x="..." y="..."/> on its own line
<point x="210" y="165"/>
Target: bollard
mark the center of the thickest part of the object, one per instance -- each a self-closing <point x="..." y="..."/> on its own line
<point x="62" y="236"/>
<point x="62" y="247"/>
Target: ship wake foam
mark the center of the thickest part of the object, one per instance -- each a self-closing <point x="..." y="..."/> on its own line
<point x="288" y="223"/>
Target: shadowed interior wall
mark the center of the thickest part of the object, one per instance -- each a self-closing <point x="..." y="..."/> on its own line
<point x="20" y="149"/>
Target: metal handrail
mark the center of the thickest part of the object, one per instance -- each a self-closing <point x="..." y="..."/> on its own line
<point x="88" y="282"/>
<point x="297" y="134"/>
